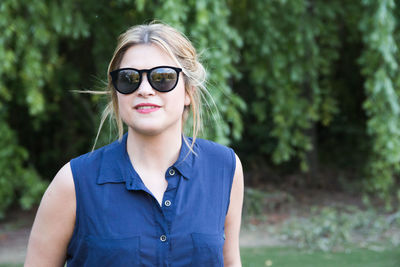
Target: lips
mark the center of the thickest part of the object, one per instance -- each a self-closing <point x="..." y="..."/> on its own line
<point x="146" y="108"/>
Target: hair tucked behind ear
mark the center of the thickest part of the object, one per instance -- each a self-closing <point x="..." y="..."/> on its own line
<point x="181" y="51"/>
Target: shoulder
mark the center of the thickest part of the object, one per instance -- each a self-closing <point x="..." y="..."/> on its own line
<point x="62" y="186"/>
<point x="94" y="158"/>
<point x="212" y="148"/>
<point x="97" y="152"/>
<point x="214" y="153"/>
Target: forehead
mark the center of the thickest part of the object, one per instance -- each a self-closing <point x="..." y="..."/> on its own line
<point x="146" y="56"/>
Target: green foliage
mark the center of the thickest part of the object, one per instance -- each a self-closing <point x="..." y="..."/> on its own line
<point x="253" y="202"/>
<point x="380" y="67"/>
<point x="257" y="202"/>
<point x="29" y="56"/>
<point x="17" y="182"/>
<point x="334" y="228"/>
<point x="323" y="231"/>
<point x="296" y="82"/>
<point x="289" y="60"/>
<point x="299" y="56"/>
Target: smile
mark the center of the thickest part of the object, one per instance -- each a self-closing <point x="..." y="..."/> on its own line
<point x="146" y="108"/>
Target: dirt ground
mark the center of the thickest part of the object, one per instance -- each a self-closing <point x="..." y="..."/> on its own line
<point x="14" y="233"/>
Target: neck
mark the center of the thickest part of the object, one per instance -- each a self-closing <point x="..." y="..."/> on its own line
<point x="153" y="152"/>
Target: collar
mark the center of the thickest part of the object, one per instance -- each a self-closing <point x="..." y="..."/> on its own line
<point x="186" y="160"/>
<point x="113" y="167"/>
<point x="116" y="166"/>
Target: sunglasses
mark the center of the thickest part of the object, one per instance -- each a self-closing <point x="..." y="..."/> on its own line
<point x="161" y="78"/>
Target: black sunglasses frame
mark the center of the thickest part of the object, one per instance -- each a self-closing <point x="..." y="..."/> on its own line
<point x="114" y="78"/>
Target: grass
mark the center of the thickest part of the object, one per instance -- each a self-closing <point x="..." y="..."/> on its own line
<point x="285" y="257"/>
<point x="292" y="257"/>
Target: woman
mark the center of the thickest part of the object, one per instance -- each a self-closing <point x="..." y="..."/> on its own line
<point x="154" y="197"/>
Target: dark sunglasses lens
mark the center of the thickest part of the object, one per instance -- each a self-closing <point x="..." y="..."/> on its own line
<point x="163" y="79"/>
<point x="127" y="81"/>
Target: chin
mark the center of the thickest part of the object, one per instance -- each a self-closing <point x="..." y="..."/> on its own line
<point x="149" y="131"/>
<point x="154" y="127"/>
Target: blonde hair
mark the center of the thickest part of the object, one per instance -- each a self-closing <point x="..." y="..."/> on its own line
<point x="181" y="51"/>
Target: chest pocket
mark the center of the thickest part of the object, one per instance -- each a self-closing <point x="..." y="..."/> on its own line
<point x="112" y="252"/>
<point x="207" y="250"/>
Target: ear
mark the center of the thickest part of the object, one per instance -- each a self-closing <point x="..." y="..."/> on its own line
<point x="187" y="98"/>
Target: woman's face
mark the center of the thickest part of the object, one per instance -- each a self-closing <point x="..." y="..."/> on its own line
<point x="147" y="111"/>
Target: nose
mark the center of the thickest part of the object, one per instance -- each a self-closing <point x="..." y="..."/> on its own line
<point x="145" y="88"/>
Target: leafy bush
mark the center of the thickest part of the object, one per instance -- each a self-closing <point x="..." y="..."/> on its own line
<point x="253" y="203"/>
<point x="292" y="80"/>
<point x="257" y="202"/>
<point x="333" y="228"/>
<point x="17" y="181"/>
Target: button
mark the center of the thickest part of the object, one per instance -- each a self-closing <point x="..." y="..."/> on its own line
<point x="171" y="172"/>
<point x="163" y="238"/>
<point x="167" y="203"/>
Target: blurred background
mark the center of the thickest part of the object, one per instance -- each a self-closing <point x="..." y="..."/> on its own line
<point x="307" y="95"/>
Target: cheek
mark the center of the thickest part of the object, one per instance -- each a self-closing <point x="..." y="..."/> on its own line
<point x="123" y="104"/>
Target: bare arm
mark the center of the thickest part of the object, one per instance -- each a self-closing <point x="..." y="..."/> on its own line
<point x="54" y="222"/>
<point x="233" y="219"/>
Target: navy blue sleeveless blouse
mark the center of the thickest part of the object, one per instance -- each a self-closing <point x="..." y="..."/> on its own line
<point x="120" y="223"/>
